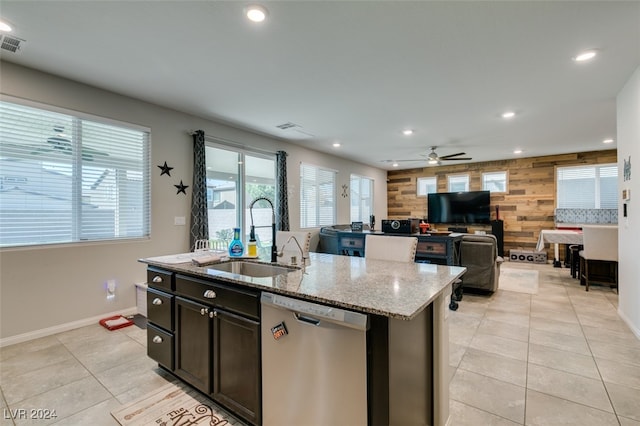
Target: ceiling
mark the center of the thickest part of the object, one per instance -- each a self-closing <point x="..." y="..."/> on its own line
<point x="356" y="72"/>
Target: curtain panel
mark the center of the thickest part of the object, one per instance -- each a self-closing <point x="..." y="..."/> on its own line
<point x="199" y="212"/>
<point x="282" y="197"/>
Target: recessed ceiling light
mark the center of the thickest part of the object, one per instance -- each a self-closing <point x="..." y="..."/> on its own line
<point x="508" y="114"/>
<point x="585" y="56"/>
<point x="517" y="151"/>
<point x="256" y="13"/>
<point x="336" y="145"/>
<point x="608" y="140"/>
<point x="395" y="164"/>
<point x="4" y="27"/>
<point x="407" y="132"/>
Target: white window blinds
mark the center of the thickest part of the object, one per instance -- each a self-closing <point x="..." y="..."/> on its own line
<point x="427" y="185"/>
<point x="65" y="178"/>
<point x="587" y="187"/>
<point x="494" y="181"/>
<point x="361" y="190"/>
<point x="317" y="196"/>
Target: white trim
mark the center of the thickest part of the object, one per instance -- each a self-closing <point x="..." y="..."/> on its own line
<point x="63" y="327"/>
<point x="630" y="323"/>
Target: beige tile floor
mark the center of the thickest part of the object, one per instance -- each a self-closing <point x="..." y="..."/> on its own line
<point x="559" y="357"/>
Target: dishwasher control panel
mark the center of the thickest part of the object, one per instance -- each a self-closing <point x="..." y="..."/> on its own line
<point x="337" y="315"/>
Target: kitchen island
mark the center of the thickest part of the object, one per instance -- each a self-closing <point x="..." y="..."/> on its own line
<point x="404" y="357"/>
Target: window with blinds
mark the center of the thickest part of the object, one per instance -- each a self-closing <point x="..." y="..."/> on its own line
<point x="427" y="185"/>
<point x="317" y="196"/>
<point x="67" y="178"/>
<point x="361" y="192"/>
<point x="494" y="181"/>
<point x="587" y="187"/>
<point x="458" y="183"/>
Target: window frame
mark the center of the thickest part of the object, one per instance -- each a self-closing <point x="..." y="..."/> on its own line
<point x="304" y="223"/>
<point x="242" y="216"/>
<point x="597" y="184"/>
<point x="420" y="184"/>
<point x="361" y="200"/>
<point x="506" y="181"/>
<point x="83" y="128"/>
<point x="465" y="175"/>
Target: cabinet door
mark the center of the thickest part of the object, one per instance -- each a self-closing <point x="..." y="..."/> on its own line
<point x="236" y="364"/>
<point x="193" y="343"/>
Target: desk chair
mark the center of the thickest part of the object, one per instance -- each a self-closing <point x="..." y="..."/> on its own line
<point x="382" y="247"/>
<point x="599" y="258"/>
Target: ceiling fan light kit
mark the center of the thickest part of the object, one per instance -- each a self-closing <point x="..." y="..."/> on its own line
<point x="433" y="158"/>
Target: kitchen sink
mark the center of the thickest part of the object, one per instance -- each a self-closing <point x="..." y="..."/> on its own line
<point x="251" y="269"/>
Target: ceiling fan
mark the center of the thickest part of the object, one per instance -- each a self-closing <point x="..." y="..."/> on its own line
<point x="434" y="158"/>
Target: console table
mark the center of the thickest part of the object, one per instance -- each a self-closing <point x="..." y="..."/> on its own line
<point x="432" y="248"/>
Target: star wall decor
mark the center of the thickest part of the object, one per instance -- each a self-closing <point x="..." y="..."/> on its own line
<point x="181" y="188"/>
<point x="166" y="170"/>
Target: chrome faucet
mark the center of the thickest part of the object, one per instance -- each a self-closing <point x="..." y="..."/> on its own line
<point x="252" y="233"/>
<point x="304" y="259"/>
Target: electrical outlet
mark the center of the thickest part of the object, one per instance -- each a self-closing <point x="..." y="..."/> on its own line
<point x="179" y="221"/>
<point x="111" y="289"/>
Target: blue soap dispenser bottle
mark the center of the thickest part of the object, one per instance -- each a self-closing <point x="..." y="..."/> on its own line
<point x="235" y="247"/>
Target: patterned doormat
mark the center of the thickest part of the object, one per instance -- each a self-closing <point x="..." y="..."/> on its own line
<point x="174" y="404"/>
<point x="518" y="280"/>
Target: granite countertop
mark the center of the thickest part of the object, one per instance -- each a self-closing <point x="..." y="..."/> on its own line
<point x="392" y="289"/>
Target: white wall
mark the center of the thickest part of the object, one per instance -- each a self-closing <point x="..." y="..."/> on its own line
<point x="46" y="289"/>
<point x="628" y="134"/>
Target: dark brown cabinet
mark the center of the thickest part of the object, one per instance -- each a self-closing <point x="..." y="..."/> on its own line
<point x="193" y="343"/>
<point x="160" y="338"/>
<point x="236" y="364"/>
<point x="208" y="334"/>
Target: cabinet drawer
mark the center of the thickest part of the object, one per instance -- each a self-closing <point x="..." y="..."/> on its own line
<point x="160" y="308"/>
<point x="431" y="247"/>
<point x="159" y="278"/>
<point x="160" y="346"/>
<point x="352" y="242"/>
<point x="238" y="300"/>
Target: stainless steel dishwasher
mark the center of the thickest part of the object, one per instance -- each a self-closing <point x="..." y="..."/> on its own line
<point x="314" y="364"/>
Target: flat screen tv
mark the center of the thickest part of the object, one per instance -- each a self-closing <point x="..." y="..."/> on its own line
<point x="459" y="207"/>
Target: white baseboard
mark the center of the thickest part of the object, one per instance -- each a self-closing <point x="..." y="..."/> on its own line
<point x="635" y="330"/>
<point x="25" y="337"/>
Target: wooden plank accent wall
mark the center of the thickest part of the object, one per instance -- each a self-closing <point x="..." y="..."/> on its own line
<point x="526" y="208"/>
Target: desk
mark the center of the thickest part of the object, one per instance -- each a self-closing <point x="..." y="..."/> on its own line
<point x="442" y="249"/>
<point x="555" y="237"/>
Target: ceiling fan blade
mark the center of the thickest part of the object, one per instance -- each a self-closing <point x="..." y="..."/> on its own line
<point x="457" y="158"/>
<point x="400" y="161"/>
<point x="444" y="157"/>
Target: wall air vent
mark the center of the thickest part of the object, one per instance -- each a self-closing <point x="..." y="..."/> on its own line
<point x="12" y="44"/>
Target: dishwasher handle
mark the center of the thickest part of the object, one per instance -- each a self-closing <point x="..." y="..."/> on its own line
<point x="306" y="320"/>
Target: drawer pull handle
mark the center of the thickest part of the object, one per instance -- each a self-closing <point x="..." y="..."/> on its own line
<point x="157" y="279"/>
<point x="157" y="339"/>
<point x="204" y="311"/>
<point x="210" y="294"/>
<point x="157" y="301"/>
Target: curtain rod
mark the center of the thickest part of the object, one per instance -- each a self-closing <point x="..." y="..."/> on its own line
<point x="233" y="143"/>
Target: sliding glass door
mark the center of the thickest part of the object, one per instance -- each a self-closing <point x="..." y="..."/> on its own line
<point x="235" y="177"/>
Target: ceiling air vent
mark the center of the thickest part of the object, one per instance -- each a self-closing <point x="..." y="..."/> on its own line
<point x="12" y="44"/>
<point x="287" y="125"/>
